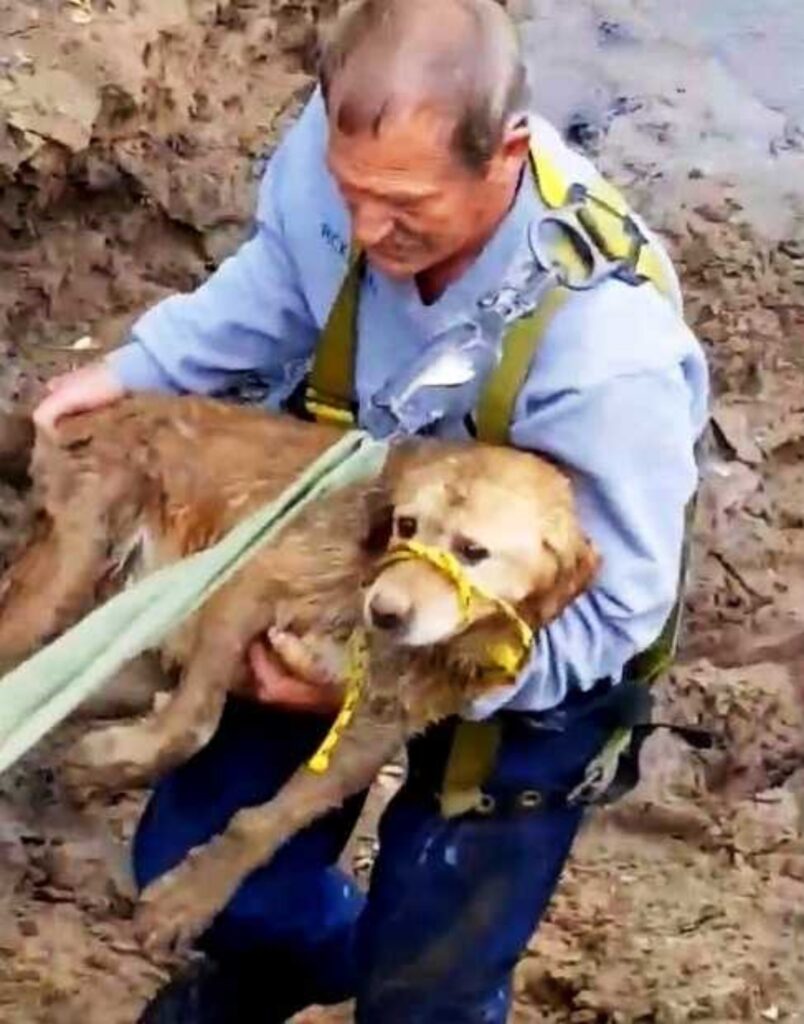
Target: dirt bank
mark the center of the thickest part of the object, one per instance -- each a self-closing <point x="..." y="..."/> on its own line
<point x="131" y="135"/>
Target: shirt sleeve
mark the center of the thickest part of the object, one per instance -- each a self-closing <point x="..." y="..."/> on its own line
<point x="249" y="320"/>
<point x="629" y="444"/>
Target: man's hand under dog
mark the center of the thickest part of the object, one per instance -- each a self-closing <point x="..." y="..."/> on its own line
<point x="89" y="388"/>
<point x="273" y="683"/>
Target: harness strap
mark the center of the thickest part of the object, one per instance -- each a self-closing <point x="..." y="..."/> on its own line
<point x="330" y="394"/>
<point x="495" y="410"/>
<point x="471" y="761"/>
<point x="605" y="214"/>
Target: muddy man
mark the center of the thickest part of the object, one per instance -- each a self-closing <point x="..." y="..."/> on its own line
<point x="422" y="224"/>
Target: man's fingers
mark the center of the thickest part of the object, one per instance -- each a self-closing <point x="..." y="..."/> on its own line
<point x="273" y="685"/>
<point x="89" y="388"/>
<point x="47" y="412"/>
<point x="264" y="668"/>
<point x="298" y="659"/>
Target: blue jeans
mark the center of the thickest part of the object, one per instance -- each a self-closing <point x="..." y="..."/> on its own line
<point x="451" y="905"/>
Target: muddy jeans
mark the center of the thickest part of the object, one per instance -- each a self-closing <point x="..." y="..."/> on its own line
<point x="451" y="903"/>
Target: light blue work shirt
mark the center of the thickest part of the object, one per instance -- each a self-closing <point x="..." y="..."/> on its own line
<point x="618" y="393"/>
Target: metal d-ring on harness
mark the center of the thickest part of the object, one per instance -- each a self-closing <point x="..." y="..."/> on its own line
<point x="586" y="236"/>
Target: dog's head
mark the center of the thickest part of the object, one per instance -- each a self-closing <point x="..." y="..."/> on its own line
<point x="506" y="516"/>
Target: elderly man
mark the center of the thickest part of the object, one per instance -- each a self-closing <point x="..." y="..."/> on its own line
<point x="399" y="221"/>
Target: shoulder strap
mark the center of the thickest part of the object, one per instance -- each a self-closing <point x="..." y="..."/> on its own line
<point x="330" y="393"/>
<point x="604" y="213"/>
<point x="495" y="410"/>
<point x="608" y="222"/>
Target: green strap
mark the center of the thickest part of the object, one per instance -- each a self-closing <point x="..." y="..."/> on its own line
<point x="330" y="394"/>
<point x="41" y="692"/>
<point x="495" y="410"/>
<point x="472" y="757"/>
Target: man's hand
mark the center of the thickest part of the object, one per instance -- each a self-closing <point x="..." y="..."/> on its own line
<point x="82" y="390"/>
<point x="274" y="683"/>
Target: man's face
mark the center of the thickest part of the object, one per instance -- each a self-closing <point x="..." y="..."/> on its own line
<point x="412" y="201"/>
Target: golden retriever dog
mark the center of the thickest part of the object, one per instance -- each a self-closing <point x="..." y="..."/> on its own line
<point x="150" y="480"/>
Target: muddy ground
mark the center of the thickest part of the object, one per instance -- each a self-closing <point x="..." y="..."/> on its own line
<point x="131" y="137"/>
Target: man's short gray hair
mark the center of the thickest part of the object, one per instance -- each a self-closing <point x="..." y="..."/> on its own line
<point x="462" y="56"/>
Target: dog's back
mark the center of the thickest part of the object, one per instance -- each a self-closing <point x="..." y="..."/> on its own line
<point x="131" y="487"/>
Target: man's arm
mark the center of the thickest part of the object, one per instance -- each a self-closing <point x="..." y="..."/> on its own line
<point x="249" y="319"/>
<point x="629" y="443"/>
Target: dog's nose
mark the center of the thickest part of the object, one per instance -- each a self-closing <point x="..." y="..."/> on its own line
<point x="389" y="612"/>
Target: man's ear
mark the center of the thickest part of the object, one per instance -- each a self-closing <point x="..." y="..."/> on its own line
<point x="576" y="563"/>
<point x="516" y="141"/>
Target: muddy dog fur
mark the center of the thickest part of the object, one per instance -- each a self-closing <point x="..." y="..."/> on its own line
<point x="141" y="484"/>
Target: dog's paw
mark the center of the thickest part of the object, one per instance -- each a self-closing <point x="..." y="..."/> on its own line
<point x="178" y="907"/>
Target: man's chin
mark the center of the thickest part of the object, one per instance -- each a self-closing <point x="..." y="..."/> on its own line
<point x="397" y="268"/>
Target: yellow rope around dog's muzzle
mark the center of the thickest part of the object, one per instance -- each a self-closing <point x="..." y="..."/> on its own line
<point x="506" y="658"/>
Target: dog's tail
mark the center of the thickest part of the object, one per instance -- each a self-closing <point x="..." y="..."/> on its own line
<point x="17" y="435"/>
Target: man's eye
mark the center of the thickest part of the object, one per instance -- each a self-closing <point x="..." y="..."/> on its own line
<point x="470" y="552"/>
<point x="406" y="527"/>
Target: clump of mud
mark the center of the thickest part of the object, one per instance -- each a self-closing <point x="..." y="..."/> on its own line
<point x="131" y="137"/>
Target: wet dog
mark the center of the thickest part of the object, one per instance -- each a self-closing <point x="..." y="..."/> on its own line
<point x="150" y="480"/>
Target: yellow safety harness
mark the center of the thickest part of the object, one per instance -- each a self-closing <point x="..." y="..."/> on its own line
<point x="597" y="237"/>
<point x="599" y="231"/>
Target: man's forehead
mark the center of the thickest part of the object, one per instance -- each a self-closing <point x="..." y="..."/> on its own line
<point x="414" y="140"/>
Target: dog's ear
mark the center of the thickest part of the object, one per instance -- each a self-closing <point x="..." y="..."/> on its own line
<point x="575" y="565"/>
<point x="379" y="522"/>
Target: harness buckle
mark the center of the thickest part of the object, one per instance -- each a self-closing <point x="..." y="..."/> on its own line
<point x="326" y="409"/>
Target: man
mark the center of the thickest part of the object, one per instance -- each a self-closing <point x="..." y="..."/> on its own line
<point x="415" y="154"/>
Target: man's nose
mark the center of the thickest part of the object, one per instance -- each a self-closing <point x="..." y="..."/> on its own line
<point x="390" y="612"/>
<point x="371" y="224"/>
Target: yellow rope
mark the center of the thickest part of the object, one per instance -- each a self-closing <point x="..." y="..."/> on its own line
<point x="356" y="671"/>
<point x="507" y="657"/>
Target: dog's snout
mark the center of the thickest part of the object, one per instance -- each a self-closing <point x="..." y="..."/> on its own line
<point x="389" y="612"/>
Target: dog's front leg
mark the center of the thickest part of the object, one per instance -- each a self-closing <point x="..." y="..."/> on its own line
<point x="180" y="905"/>
<point x="118" y="757"/>
<point x="121" y="756"/>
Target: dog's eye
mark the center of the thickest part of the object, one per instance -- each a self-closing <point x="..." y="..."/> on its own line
<point x="406" y="527"/>
<point x="470" y="552"/>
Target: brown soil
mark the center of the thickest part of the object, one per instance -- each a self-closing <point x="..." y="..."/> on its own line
<point x="130" y="134"/>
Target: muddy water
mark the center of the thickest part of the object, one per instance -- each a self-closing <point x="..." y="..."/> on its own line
<point x="670" y="90"/>
<point x="761" y="42"/>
